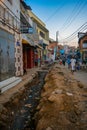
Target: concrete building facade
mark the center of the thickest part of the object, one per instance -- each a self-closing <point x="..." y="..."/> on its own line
<point x="10" y="41"/>
<point x="23" y="41"/>
<point x="43" y="37"/>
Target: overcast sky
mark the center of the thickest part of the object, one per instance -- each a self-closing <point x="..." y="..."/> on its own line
<point x="65" y="16"/>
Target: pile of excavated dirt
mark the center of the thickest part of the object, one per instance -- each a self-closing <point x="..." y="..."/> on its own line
<point x="63" y="104"/>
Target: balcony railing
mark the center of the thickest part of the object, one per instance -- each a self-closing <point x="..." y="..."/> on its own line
<point x="8" y="18"/>
<point x="32" y="38"/>
<point x="24" y="29"/>
<point x="43" y="40"/>
<point x="26" y="15"/>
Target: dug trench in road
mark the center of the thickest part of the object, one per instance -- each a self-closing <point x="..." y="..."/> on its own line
<point x="63" y="104"/>
<point x="18" y="113"/>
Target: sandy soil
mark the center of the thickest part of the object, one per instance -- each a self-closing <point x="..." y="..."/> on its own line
<point x="63" y="104"/>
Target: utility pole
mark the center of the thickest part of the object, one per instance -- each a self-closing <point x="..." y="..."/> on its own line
<point x="57" y="33"/>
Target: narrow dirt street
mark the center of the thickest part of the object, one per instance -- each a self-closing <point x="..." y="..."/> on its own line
<point x="63" y="105"/>
<point x="58" y="102"/>
<point x="81" y="76"/>
<point x="43" y="65"/>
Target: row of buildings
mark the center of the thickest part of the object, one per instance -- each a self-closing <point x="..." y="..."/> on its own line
<point x="23" y="39"/>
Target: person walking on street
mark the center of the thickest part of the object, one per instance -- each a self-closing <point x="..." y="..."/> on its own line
<point x="69" y="63"/>
<point x="64" y="60"/>
<point x="73" y="63"/>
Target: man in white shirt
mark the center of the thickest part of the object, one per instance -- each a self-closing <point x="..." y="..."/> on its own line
<point x="73" y="63"/>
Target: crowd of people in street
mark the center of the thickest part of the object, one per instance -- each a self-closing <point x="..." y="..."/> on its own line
<point x="73" y="62"/>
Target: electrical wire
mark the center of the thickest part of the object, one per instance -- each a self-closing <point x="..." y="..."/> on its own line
<point x="75" y="16"/>
<point x="73" y="35"/>
<point x="54" y="13"/>
<point x="71" y="14"/>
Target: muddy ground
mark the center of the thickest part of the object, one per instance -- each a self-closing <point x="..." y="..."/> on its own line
<point x="18" y="112"/>
<point x="61" y="106"/>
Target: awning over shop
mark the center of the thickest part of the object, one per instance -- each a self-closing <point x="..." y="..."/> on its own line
<point x="26" y="42"/>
